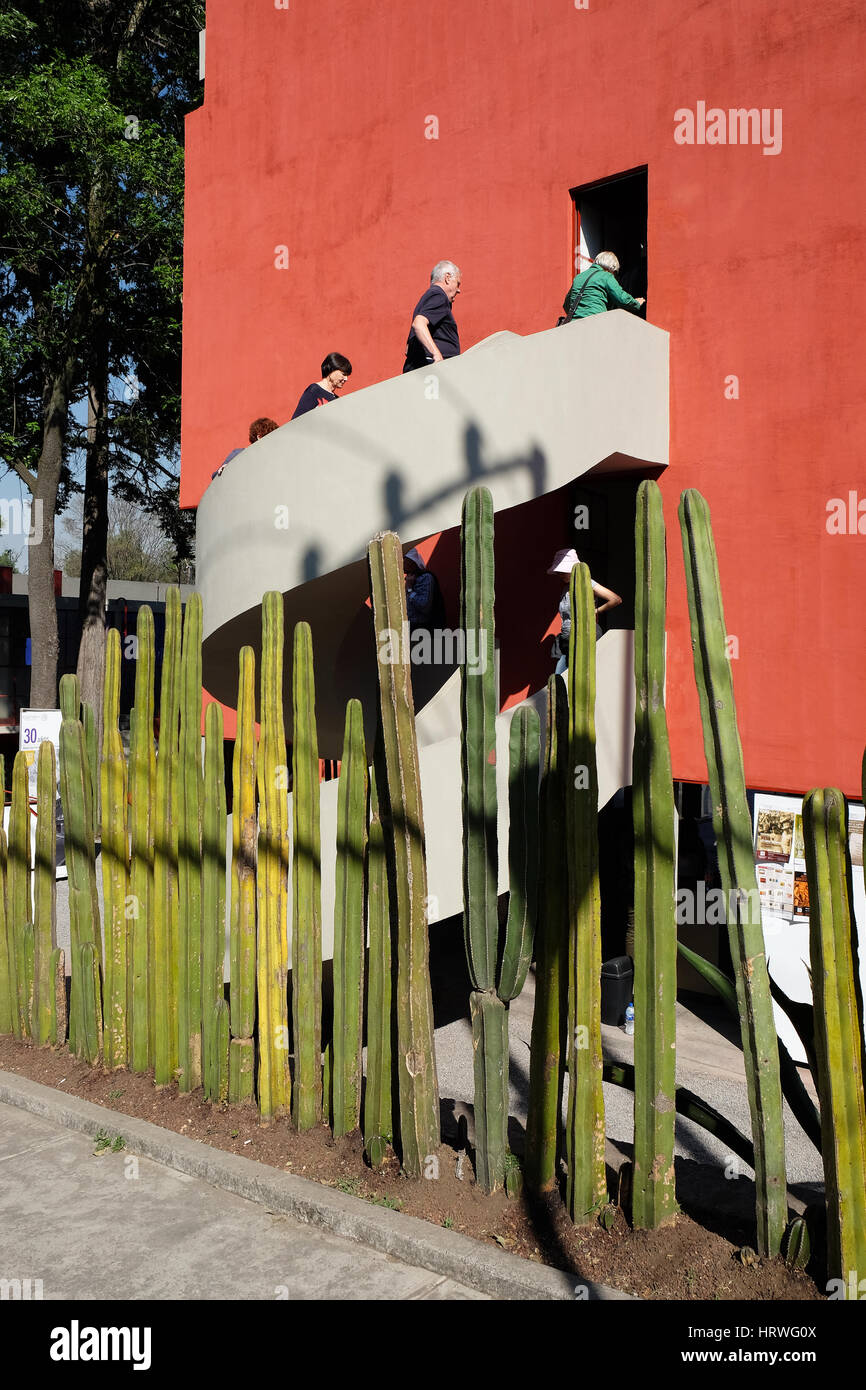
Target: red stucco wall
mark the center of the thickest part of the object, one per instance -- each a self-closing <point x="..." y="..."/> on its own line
<point x="312" y="135"/>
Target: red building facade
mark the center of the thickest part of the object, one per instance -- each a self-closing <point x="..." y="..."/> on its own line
<point x="337" y="155"/>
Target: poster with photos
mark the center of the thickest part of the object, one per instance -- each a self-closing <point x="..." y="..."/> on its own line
<point x="780" y="854"/>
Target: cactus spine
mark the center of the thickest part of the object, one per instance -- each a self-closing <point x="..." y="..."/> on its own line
<point x="189" y="798"/>
<point x="349" y="924"/>
<point x="587" y="1184"/>
<point x="164" y="974"/>
<point x="733" y="828"/>
<point x="76" y="791"/>
<point x="275" y="1086"/>
<point x="115" y="862"/>
<point x="838" y="1030"/>
<point x="243" y="897"/>
<point x="655" y="937"/>
<point x="547" y="1052"/>
<point x="378" y="1117"/>
<point x="306" y="890"/>
<point x="213" y="898"/>
<point x="45" y="896"/>
<point x="19" y="903"/>
<point x="403" y="824"/>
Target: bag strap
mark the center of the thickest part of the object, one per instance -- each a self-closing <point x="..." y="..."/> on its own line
<point x="580" y="292"/>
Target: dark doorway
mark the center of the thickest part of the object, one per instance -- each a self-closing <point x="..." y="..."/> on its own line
<point x="611" y="215"/>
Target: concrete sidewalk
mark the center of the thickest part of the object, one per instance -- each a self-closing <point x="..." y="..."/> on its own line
<point x="119" y="1226"/>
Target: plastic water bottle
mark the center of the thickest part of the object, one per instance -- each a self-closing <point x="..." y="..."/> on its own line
<point x="629" y="1018"/>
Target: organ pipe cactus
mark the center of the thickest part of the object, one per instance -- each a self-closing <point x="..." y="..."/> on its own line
<point x="189" y="801"/>
<point x="275" y="1087"/>
<point x="733" y="829"/>
<point x="587" y="1185"/>
<point x="403" y="825"/>
<point x="547" y="1051"/>
<point x="655" y="936"/>
<point x="163" y="976"/>
<point x="243" y="890"/>
<point x="838" y="1031"/>
<point x="45" y="896"/>
<point x="213" y="897"/>
<point x="87" y="979"/>
<point x="76" y="793"/>
<point x="70" y="697"/>
<point x="349" y="924"/>
<point x="142" y="790"/>
<point x="115" y="863"/>
<point x="495" y="981"/>
<point x="8" y="975"/>
<point x="19" y="902"/>
<point x="306" y="889"/>
<point x="378" y="1115"/>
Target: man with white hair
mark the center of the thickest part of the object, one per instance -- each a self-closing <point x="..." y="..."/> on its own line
<point x="433" y="335"/>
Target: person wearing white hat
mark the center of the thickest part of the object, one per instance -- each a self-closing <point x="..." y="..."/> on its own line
<point x="564" y="562"/>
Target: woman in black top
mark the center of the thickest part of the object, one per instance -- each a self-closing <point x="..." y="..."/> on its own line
<point x="336" y="370"/>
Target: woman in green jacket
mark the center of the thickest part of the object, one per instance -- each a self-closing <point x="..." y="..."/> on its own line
<point x="600" y="289"/>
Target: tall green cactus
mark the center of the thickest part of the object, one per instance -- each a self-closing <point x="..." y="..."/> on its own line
<point x="403" y="824"/>
<point x="547" y="1051"/>
<point x="163" y="976"/>
<point x="213" y="899"/>
<point x="275" y="1085"/>
<point x="142" y="780"/>
<point x="76" y="792"/>
<point x="189" y="802"/>
<point x="478" y="710"/>
<point x="495" y="980"/>
<point x="655" y="933"/>
<point x="306" y="890"/>
<point x="45" y="895"/>
<point x="115" y="863"/>
<point x="378" y="1114"/>
<point x="8" y="972"/>
<point x="587" y="1183"/>
<point x="523" y="852"/>
<point x="733" y="828"/>
<point x="243" y="894"/>
<point x="19" y="902"/>
<point x="838" y="1031"/>
<point x="349" y="924"/>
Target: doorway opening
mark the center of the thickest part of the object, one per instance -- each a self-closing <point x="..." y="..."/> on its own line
<point x="611" y="215"/>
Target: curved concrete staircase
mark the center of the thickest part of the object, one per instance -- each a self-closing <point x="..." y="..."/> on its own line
<point x="525" y="416"/>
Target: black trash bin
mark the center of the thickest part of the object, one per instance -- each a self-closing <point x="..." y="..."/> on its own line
<point x="617" y="980"/>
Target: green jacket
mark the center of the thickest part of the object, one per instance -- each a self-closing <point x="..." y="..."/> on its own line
<point x="603" y="292"/>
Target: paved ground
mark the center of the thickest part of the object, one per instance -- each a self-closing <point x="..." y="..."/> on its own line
<point x="120" y="1227"/>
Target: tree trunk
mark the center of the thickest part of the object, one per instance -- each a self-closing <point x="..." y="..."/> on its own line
<point x="40" y="586"/>
<point x="94" y="546"/>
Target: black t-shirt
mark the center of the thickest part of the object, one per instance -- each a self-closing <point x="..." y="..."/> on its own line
<point x="435" y="305"/>
<point x="313" y="396"/>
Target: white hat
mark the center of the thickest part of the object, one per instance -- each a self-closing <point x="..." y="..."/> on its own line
<point x="564" y="562"/>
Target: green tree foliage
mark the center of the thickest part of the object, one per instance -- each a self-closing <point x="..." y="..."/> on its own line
<point x="92" y="99"/>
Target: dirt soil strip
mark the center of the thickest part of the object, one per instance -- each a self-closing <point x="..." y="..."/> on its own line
<point x="392" y="1233"/>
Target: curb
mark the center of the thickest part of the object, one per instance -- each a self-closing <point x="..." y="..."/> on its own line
<point x="407" y="1238"/>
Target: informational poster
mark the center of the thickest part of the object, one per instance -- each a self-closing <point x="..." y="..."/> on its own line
<point x="36" y="726"/>
<point x="780" y="866"/>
